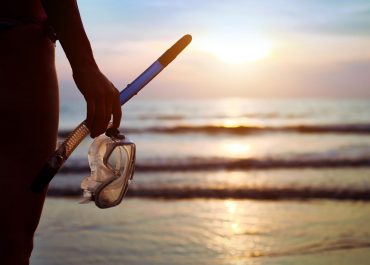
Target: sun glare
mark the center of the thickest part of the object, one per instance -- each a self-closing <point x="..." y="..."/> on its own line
<point x="237" y="53"/>
<point x="238" y="50"/>
<point x="237" y="150"/>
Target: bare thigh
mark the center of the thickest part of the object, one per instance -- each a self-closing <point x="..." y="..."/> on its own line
<point x="28" y="129"/>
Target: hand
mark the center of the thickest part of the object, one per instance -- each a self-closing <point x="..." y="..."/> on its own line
<point x="102" y="100"/>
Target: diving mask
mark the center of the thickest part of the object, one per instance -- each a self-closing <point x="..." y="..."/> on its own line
<point x="112" y="164"/>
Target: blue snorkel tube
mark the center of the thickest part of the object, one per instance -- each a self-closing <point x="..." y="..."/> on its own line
<point x="153" y="70"/>
<point x="55" y="162"/>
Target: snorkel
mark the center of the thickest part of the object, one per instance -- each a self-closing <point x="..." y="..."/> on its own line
<point x="65" y="149"/>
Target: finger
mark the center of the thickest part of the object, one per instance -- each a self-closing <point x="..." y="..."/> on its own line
<point x="90" y="115"/>
<point x="108" y="110"/>
<point x="116" y="110"/>
<point x="99" y="117"/>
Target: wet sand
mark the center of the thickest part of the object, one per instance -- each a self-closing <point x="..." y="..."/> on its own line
<point x="204" y="231"/>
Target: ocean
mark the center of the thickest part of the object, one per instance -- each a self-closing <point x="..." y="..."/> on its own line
<point x="222" y="181"/>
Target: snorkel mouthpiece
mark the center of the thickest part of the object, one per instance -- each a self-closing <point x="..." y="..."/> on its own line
<point x="112" y="164"/>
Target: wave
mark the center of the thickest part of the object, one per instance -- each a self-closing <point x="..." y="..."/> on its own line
<point x="242" y="130"/>
<point x="313" y="248"/>
<point x="161" y="117"/>
<point x="268" y="115"/>
<point x="230" y="193"/>
<point x="199" y="164"/>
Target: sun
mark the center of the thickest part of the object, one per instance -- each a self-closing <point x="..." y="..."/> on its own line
<point x="238" y="53"/>
<point x="239" y="49"/>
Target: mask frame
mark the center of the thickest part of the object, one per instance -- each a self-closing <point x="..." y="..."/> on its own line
<point x="128" y="172"/>
<point x="109" y="191"/>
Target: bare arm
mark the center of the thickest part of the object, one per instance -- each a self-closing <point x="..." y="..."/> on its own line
<point x="101" y="96"/>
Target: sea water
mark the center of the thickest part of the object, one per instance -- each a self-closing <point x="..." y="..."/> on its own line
<point x="222" y="181"/>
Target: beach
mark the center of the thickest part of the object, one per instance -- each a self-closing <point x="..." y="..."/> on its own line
<point x="224" y="181"/>
<point x="204" y="231"/>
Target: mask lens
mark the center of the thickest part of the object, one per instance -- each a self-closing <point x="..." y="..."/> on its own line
<point x="121" y="161"/>
<point x="117" y="160"/>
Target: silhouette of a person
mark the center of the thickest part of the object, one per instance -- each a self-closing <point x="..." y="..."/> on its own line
<point x="29" y="107"/>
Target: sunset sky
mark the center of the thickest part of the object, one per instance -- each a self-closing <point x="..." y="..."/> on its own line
<point x="240" y="48"/>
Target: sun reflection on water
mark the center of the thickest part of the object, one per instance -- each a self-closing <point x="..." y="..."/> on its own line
<point x="237" y="150"/>
<point x="231" y="208"/>
<point x="235" y="228"/>
<point x="237" y="233"/>
<point x="231" y="123"/>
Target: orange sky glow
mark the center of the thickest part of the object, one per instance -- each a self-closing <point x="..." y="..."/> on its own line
<point x="239" y="49"/>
